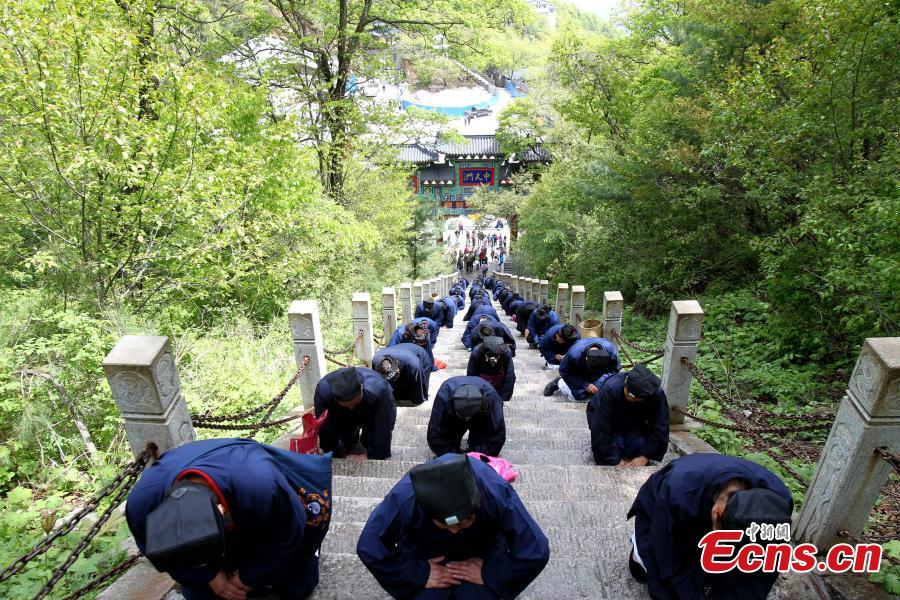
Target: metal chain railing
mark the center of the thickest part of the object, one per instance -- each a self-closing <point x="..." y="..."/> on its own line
<point x="732" y="402"/>
<point x="857" y="540"/>
<point x="254" y="426"/>
<point x="889" y="458"/>
<point x="99" y="580"/>
<point x="136" y="466"/>
<point x="204" y="421"/>
<point x="635" y="345"/>
<point x="116" y="491"/>
<point x="747" y="429"/>
<point x="349" y="348"/>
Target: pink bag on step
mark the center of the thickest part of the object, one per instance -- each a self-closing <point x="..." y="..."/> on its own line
<point x="501" y="465"/>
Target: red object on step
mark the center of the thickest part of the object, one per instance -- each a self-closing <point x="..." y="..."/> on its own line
<point x="308" y="443"/>
<point x="440" y="364"/>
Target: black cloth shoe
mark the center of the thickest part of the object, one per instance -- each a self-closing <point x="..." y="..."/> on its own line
<point x="551" y="387"/>
<point x="637" y="571"/>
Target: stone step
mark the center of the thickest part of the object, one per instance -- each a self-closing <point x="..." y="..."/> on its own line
<point x="421" y="453"/>
<point x="546" y="420"/>
<point x="601" y="574"/>
<point x="517" y="438"/>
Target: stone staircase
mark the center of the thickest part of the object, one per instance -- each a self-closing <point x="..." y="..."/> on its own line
<point x="581" y="507"/>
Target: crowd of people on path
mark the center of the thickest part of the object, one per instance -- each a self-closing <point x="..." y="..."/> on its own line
<point x="230" y="518"/>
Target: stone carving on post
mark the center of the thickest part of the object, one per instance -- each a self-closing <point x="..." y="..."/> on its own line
<point x="514" y="284"/>
<point x="388" y="312"/>
<point x="426" y="291"/>
<point x="545" y="291"/>
<point x="141" y="373"/>
<point x="362" y="321"/>
<point x="850" y="474"/>
<point x="685" y="325"/>
<point x="535" y="290"/>
<point x="613" y="307"/>
<point x="576" y="312"/>
<point x="406" y="309"/>
<point x="303" y="316"/>
<point x="417" y="293"/>
<point x="562" y="300"/>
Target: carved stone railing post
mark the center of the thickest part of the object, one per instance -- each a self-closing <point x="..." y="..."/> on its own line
<point x="850" y="474"/>
<point x="545" y="291"/>
<point x="562" y="300"/>
<point x="406" y="309"/>
<point x="613" y="306"/>
<point x="576" y="312"/>
<point x="145" y="385"/>
<point x="362" y="321"/>
<point x="514" y="284"/>
<point x="685" y="325"/>
<point x="306" y="331"/>
<point x="388" y="312"/>
<point x="417" y="294"/>
<point x="426" y="290"/>
<point x="535" y="290"/>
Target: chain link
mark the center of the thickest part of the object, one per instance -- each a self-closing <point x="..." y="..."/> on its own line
<point x="99" y="580"/>
<point x="635" y="345"/>
<point x="748" y="429"/>
<point x="352" y="346"/>
<point x="889" y="458"/>
<point x="856" y="540"/>
<point x="128" y="475"/>
<point x="254" y="426"/>
<point x="732" y="402"/>
<point x="270" y="406"/>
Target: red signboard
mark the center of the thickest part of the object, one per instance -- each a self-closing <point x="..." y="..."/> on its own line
<point x="476" y="176"/>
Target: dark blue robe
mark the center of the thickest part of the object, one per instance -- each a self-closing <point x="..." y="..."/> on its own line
<point x="471" y="338"/>
<point x="487" y="432"/>
<point x="416" y="366"/>
<point x="272" y="541"/>
<point x="370" y="422"/>
<point x="482" y="309"/>
<point x="538" y="329"/>
<point x="549" y="347"/>
<point x="440" y="313"/>
<point x="672" y="513"/>
<point x="400" y="337"/>
<point x="399" y="538"/>
<point x="523" y="314"/>
<point x="575" y="371"/>
<point x="453" y="304"/>
<point x="614" y="421"/>
<point x="502" y="375"/>
<point x="508" y="304"/>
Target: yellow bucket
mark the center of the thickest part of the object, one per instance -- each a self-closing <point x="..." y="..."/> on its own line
<point x="591" y="328"/>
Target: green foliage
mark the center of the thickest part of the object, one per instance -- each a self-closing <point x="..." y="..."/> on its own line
<point x="889" y="575"/>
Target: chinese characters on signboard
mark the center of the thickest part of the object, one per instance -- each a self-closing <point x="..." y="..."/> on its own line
<point x="476" y="176"/>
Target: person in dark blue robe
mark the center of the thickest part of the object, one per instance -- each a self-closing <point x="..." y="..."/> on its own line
<point x="419" y="332"/>
<point x="523" y="314"/>
<point x="275" y="506"/>
<point x="584" y="368"/>
<point x="501" y="294"/>
<point x="540" y="321"/>
<point x="484" y="308"/>
<point x="685" y="500"/>
<point x="466" y="533"/>
<point x="486" y="326"/>
<point x="453" y="305"/>
<point x="437" y="310"/>
<point x="459" y="299"/>
<point x="466" y="404"/>
<point x="508" y="307"/>
<point x="492" y="361"/>
<point x="407" y="368"/>
<point x="361" y="408"/>
<point x="629" y="419"/>
<point x="476" y="290"/>
<point x="556" y="342"/>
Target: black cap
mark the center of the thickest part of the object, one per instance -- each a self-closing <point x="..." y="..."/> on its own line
<point x="344" y="383"/>
<point x="428" y="305"/>
<point x="598" y="358"/>
<point x="467" y="401"/>
<point x="186" y="530"/>
<point x="493" y="345"/>
<point x="446" y="490"/>
<point x="642" y="382"/>
<point x="757" y="505"/>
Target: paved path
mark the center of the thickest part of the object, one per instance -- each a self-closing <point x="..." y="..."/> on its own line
<point x="581" y="507"/>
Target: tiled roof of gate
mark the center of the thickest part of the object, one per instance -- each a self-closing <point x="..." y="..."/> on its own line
<point x="474" y="145"/>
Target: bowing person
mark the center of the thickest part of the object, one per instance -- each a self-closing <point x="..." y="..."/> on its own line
<point x="466" y="404"/>
<point x="492" y="361"/>
<point x="407" y="368"/>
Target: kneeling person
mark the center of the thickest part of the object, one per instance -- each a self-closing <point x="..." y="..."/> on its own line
<point x="407" y="368"/>
<point x="453" y="528"/>
<point x="492" y="361"/>
<point x="225" y="517"/>
<point x="685" y="500"/>
<point x="629" y="419"/>
<point x="467" y="404"/>
<point x="361" y="408"/>
<point x="554" y="345"/>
